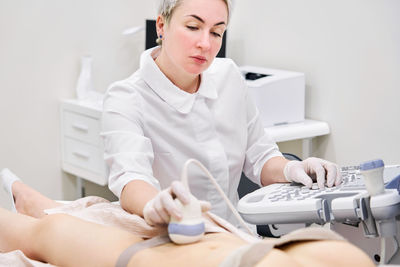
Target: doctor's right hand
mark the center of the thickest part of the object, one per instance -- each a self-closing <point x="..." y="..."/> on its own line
<point x="313" y="169"/>
<point x="159" y="210"/>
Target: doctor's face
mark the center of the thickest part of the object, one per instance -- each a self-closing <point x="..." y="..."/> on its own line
<point x="193" y="37"/>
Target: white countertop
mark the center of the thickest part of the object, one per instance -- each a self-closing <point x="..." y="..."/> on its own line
<point x="300" y="130"/>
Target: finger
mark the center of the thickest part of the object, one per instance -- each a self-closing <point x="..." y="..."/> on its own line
<point x="339" y="177"/>
<point x="316" y="166"/>
<point x="205" y="205"/>
<point x="321" y="174"/>
<point x="331" y="173"/>
<point x="169" y="205"/>
<point x="302" y="177"/>
<point x="152" y="218"/>
<point x="179" y="190"/>
<point x="162" y="212"/>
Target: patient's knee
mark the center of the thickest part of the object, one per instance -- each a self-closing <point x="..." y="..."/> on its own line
<point x="43" y="231"/>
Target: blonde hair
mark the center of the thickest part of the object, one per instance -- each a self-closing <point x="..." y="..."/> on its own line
<point x="167" y="7"/>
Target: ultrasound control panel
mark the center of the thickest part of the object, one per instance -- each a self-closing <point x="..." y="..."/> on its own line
<point x="294" y="203"/>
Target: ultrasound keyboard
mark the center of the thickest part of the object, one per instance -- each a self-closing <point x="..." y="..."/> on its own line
<point x="295" y="203"/>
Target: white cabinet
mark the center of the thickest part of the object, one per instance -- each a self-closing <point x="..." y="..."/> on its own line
<point x="81" y="144"/>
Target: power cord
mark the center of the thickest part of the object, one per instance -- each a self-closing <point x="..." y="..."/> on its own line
<point x="184" y="179"/>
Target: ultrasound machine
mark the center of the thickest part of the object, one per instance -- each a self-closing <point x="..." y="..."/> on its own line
<point x="358" y="209"/>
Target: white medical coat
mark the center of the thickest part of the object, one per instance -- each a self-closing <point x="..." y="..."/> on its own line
<point x="151" y="127"/>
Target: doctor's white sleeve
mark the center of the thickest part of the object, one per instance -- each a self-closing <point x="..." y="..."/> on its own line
<point x="127" y="152"/>
<point x="260" y="146"/>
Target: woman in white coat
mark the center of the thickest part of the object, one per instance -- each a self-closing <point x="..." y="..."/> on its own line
<point x="185" y="103"/>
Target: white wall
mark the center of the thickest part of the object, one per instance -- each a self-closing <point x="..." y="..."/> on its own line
<point x="349" y="51"/>
<point x="41" y="43"/>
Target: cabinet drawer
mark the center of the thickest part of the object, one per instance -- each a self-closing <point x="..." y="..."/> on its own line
<point x="83" y="155"/>
<point x="82" y="127"/>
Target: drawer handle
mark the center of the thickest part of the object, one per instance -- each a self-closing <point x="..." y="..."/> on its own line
<point x="80" y="127"/>
<point x="81" y="154"/>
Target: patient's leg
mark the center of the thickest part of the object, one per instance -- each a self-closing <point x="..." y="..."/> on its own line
<point x="327" y="253"/>
<point x="63" y="240"/>
<point x="29" y="201"/>
<point x="14" y="225"/>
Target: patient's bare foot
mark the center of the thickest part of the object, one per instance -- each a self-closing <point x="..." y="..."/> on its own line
<point x="30" y="202"/>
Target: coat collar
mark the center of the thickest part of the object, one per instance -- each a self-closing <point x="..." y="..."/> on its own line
<point x="166" y="90"/>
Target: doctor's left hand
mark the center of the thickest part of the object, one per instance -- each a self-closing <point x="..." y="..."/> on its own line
<point x="311" y="169"/>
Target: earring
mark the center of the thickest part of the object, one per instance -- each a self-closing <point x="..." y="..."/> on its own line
<point x="160" y="36"/>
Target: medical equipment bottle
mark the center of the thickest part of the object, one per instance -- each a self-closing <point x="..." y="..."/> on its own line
<point x="372" y="172"/>
<point x="84" y="84"/>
